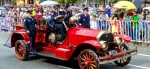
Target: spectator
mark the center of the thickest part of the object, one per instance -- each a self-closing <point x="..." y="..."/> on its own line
<point x="108" y="11"/>
<point x="115" y="24"/>
<point x="93" y="22"/>
<point x="135" y="20"/>
<point x="128" y="25"/>
<point x="144" y="27"/>
<point x="103" y="18"/>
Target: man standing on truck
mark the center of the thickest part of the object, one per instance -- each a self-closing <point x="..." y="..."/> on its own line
<point x="29" y="25"/>
<point x="84" y="18"/>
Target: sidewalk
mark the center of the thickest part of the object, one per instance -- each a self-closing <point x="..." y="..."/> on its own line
<point x="139" y="43"/>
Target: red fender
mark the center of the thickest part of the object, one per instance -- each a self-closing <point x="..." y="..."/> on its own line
<point x="94" y="43"/>
<point x="18" y="35"/>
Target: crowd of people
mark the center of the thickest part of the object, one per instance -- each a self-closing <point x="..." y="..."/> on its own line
<point x="95" y="16"/>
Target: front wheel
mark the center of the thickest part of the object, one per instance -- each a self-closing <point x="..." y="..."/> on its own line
<point x="125" y="60"/>
<point x="88" y="59"/>
<point x="21" y="50"/>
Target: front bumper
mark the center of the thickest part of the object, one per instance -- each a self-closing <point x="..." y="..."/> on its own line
<point x="115" y="57"/>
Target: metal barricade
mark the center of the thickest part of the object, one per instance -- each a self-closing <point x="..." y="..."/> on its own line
<point x="138" y="31"/>
<point x="4" y="25"/>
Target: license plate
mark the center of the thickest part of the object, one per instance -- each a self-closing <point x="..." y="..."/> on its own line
<point x="113" y="52"/>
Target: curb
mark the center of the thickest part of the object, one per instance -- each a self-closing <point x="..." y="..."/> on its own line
<point x="139" y="43"/>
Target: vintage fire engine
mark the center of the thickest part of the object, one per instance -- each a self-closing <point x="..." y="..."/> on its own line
<point x="90" y="47"/>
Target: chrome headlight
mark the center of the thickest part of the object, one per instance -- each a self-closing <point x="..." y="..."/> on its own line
<point x="118" y="40"/>
<point x="100" y="34"/>
<point x="104" y="45"/>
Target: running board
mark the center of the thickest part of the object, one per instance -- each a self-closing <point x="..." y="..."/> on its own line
<point x="124" y="54"/>
<point x="46" y="54"/>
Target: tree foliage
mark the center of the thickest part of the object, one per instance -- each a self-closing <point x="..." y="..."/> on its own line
<point x="66" y="1"/>
<point x="12" y="1"/>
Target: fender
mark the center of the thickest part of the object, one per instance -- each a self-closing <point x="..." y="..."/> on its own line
<point x="126" y="38"/>
<point x="90" y="44"/>
<point x="19" y="36"/>
<point x="93" y="43"/>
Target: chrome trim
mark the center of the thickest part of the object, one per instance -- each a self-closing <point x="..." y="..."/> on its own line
<point x="118" y="40"/>
<point x="131" y="54"/>
<point x="104" y="45"/>
<point x="100" y="34"/>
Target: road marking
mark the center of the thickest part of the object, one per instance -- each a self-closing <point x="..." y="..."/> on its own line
<point x="144" y="55"/>
<point x="139" y="66"/>
<point x="65" y="67"/>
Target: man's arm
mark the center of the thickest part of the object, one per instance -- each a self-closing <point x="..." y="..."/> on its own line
<point x="79" y="20"/>
<point x="26" y="27"/>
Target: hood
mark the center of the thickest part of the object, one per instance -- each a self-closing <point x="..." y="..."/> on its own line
<point x="85" y="32"/>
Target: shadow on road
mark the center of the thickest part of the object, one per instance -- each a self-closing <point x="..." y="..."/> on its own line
<point x="73" y="64"/>
<point x="67" y="64"/>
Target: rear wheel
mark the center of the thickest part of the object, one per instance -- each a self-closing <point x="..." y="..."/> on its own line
<point x="21" y="50"/>
<point x="124" y="61"/>
<point x="88" y="59"/>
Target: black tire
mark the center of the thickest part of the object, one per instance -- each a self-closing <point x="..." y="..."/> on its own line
<point x="124" y="61"/>
<point x="21" y="50"/>
<point x="88" y="59"/>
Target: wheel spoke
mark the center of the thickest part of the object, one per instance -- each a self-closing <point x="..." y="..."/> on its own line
<point x="122" y="61"/>
<point x="119" y="61"/>
<point x="84" y="56"/>
<point x="93" y="65"/>
<point x="83" y="67"/>
<point x="89" y="56"/>
<point x="87" y="67"/>
<point x="93" y="61"/>
<point x="83" y="59"/>
<point x="92" y="58"/>
<point x="87" y="59"/>
<point x="82" y="63"/>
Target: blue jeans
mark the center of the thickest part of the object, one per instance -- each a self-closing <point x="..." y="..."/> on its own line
<point x="144" y="30"/>
<point x="103" y="25"/>
<point x="135" y="33"/>
<point x="128" y="25"/>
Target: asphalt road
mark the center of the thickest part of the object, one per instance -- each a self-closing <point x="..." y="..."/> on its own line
<point x="8" y="60"/>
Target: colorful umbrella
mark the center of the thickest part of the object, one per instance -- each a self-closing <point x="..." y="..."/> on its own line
<point x="49" y="3"/>
<point x="125" y="5"/>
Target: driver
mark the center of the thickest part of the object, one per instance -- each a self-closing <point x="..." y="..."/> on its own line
<point x="57" y="19"/>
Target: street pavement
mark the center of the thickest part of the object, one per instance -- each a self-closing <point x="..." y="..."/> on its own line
<point x="8" y="59"/>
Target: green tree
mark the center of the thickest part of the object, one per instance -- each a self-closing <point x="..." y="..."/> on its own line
<point x="66" y="1"/>
<point x="12" y="1"/>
